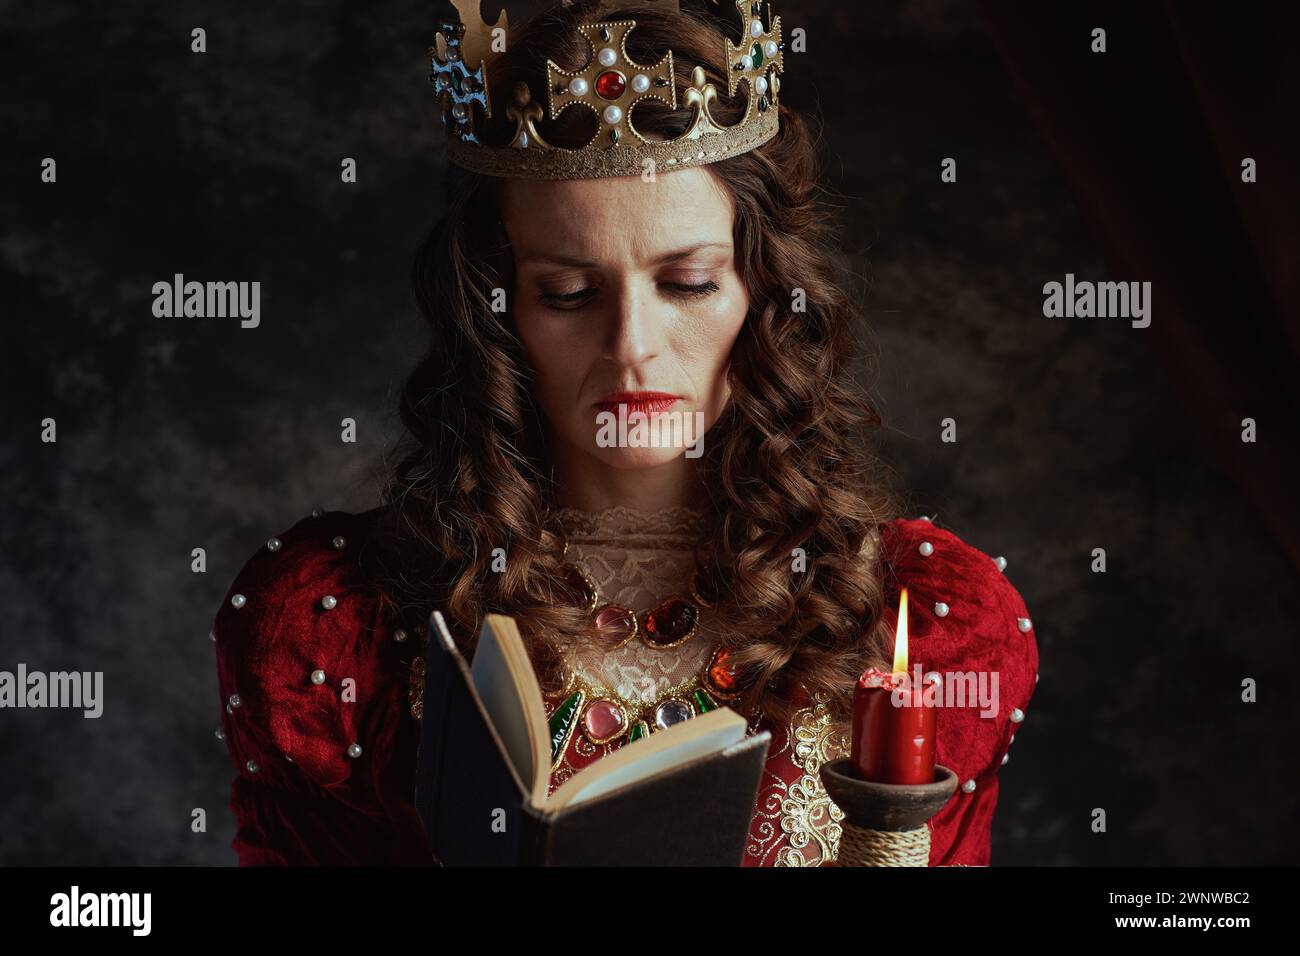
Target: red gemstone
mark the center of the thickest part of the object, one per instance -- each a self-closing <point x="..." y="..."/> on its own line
<point x="614" y="625"/>
<point x="603" y="721"/>
<point x="611" y="84"/>
<point x="672" y="621"/>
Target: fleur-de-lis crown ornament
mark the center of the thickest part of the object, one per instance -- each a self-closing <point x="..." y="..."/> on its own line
<point x="610" y="86"/>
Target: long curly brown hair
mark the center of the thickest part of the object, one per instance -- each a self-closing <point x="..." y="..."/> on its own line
<point x="786" y="467"/>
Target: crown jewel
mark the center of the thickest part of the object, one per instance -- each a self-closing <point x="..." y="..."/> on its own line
<point x="610" y="86"/>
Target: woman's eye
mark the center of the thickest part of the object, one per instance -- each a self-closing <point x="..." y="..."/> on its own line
<point x="566" y="300"/>
<point x="691" y="291"/>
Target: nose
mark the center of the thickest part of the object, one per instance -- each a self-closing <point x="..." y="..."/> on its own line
<point x="636" y="326"/>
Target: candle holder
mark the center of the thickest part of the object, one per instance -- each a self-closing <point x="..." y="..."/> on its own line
<point x="885" y="823"/>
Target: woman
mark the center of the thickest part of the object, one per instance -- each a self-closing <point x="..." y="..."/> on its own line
<point x="579" y="294"/>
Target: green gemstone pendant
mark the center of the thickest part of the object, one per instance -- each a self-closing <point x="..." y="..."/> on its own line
<point x="561" y="724"/>
<point x="756" y="54"/>
<point x="704" y="703"/>
<point x="639" y="729"/>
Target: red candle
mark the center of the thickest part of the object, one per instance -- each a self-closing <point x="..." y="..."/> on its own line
<point x="893" y="727"/>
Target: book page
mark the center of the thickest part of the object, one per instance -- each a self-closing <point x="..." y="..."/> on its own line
<point x="499" y="694"/>
<point x="650" y="756"/>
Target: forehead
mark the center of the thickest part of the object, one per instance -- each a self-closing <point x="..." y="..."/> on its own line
<point x="603" y="219"/>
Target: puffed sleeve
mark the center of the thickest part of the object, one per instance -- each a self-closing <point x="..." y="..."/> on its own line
<point x="967" y="623"/>
<point x="312" y="700"/>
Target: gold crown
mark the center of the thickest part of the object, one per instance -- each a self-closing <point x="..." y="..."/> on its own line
<point x="610" y="85"/>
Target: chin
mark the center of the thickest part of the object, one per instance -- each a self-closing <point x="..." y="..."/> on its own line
<point x="637" y="459"/>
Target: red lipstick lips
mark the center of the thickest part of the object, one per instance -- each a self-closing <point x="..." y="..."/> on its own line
<point x="644" y="403"/>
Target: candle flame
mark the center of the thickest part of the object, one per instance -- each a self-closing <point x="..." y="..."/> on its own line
<point x="900" y="636"/>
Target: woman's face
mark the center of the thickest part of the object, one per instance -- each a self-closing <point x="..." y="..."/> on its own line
<point x="626" y="294"/>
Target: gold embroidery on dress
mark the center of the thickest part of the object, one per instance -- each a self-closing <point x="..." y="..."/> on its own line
<point x="808" y="815"/>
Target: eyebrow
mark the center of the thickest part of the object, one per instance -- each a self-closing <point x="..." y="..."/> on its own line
<point x="673" y="256"/>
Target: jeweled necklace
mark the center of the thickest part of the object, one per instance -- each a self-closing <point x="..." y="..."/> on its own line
<point x="603" y="716"/>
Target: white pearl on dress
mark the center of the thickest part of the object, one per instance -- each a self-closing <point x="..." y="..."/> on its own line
<point x="608" y="56"/>
<point x="746" y="62"/>
<point x="1001" y="562"/>
<point x="329" y="602"/>
<point x="274" y="544"/>
<point x="212" y="635"/>
<point x="1005" y="758"/>
<point x="1024" y="624"/>
<point x="221" y="734"/>
<point x="926" y="549"/>
<point x="760" y="84"/>
<point x="613" y="115"/>
<point x="940" y="609"/>
<point x="968" y="786"/>
<point x="756" y="28"/>
<point x="252" y="766"/>
<point x="234" y="701"/>
<point x="354" y="751"/>
<point x="459" y="111"/>
<point x="640" y="83"/>
<point x="770" y="49"/>
<point x="340" y="542"/>
<point x="238" y="601"/>
<point x="318" y="677"/>
<point x="1017" y="715"/>
<point x="399" y="635"/>
<point x="578" y="86"/>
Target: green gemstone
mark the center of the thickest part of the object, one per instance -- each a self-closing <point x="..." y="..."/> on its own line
<point x="455" y="81"/>
<point x="639" y="730"/>
<point x="704" y="703"/>
<point x="756" y="55"/>
<point x="562" y="723"/>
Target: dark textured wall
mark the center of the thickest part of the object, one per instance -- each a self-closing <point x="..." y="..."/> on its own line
<point x="183" y="433"/>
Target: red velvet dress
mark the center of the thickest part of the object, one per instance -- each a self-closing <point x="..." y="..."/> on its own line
<point x="320" y="705"/>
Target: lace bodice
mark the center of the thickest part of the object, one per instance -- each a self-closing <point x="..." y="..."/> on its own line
<point x="638" y="559"/>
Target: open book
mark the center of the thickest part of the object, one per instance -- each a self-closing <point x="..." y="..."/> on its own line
<point x="683" y="795"/>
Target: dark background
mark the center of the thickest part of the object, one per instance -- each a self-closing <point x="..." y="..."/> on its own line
<point x="1073" y="433"/>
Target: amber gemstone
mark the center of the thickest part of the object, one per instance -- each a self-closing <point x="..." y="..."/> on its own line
<point x="614" y="625"/>
<point x="603" y="721"/>
<point x="671" y="622"/>
<point x="611" y="84"/>
<point x="721" y="675"/>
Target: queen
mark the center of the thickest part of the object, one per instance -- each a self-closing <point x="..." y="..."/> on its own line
<point x="632" y="228"/>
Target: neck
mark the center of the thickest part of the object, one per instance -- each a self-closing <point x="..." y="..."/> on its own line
<point x="587" y="484"/>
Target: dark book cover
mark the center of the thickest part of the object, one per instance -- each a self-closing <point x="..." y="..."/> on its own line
<point x="476" y="810"/>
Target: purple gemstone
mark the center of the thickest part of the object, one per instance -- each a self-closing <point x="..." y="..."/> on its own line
<point x="672" y="712"/>
<point x="614" y="625"/>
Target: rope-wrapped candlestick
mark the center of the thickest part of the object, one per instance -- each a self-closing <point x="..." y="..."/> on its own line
<point x="885" y="824"/>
